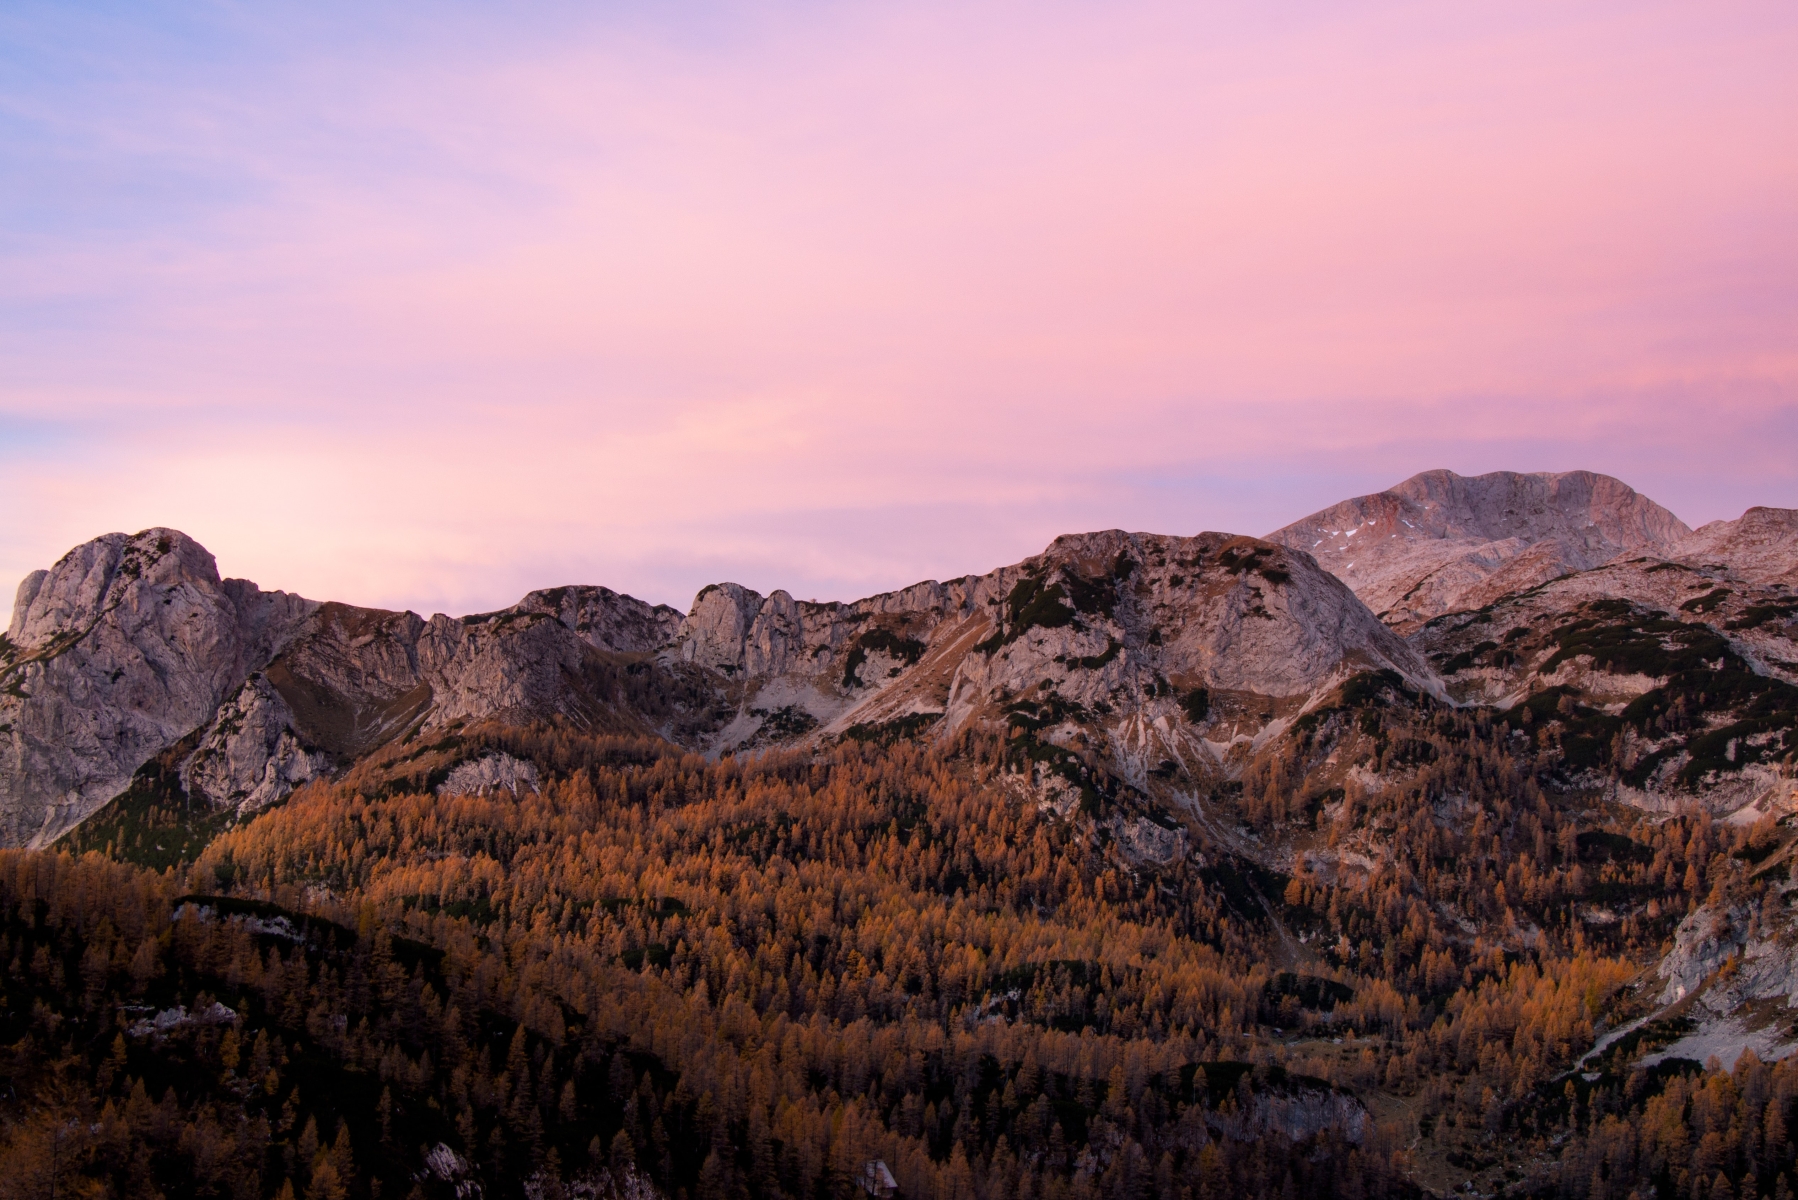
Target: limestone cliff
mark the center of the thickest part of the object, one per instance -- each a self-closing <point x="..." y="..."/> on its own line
<point x="115" y="653"/>
<point x="1761" y="545"/>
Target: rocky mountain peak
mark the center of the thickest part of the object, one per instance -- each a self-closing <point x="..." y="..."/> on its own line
<point x="714" y="631"/>
<point x="605" y="619"/>
<point x="95" y="576"/>
<point x="1761" y="544"/>
<point x="126" y="645"/>
<point x="1154" y="650"/>
<point x="1441" y="542"/>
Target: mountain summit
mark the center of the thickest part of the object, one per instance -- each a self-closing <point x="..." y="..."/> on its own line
<point x="1441" y="541"/>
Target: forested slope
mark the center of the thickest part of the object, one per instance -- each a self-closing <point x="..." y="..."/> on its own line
<point x="748" y="978"/>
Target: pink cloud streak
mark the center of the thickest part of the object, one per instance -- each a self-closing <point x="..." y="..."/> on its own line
<point x="644" y="307"/>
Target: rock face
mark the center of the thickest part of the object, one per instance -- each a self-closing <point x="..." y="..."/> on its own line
<point x="1441" y="542"/>
<point x="1106" y="635"/>
<point x="351" y="680"/>
<point x="493" y="773"/>
<point x="131" y="644"/>
<point x="1761" y="546"/>
<point x="1259" y="630"/>
<point x="1689" y="672"/>
<point x="251" y="755"/>
<point x="123" y="647"/>
<point x="604" y="619"/>
<point x="1734" y="961"/>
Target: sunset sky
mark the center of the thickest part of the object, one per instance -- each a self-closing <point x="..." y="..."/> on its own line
<point x="427" y="305"/>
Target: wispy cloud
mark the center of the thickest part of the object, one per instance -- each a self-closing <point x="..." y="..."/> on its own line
<point x="428" y="309"/>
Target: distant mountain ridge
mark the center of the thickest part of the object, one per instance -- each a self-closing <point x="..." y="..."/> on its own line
<point x="1441" y="541"/>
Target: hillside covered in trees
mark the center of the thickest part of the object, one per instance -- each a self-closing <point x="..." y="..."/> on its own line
<point x="659" y="974"/>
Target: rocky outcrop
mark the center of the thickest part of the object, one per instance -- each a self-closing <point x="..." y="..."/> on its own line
<point x="604" y="619"/>
<point x="1296" y="1112"/>
<point x="1441" y="542"/>
<point x="1675" y="684"/>
<point x="123" y="647"/>
<point x="1760" y="546"/>
<point x="1120" y="631"/>
<point x="1704" y="941"/>
<point x="130" y="644"/>
<point x="1731" y="971"/>
<point x="251" y="755"/>
<point x="492" y="773"/>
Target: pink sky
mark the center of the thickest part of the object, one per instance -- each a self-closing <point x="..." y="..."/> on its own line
<point x="426" y="313"/>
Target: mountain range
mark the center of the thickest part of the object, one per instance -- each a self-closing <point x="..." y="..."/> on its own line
<point x="133" y="647"/>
